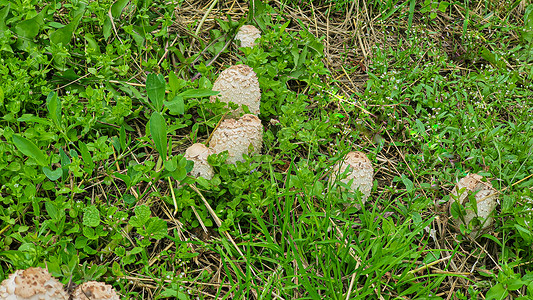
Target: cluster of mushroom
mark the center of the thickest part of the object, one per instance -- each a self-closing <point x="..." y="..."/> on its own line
<point x="239" y="84"/>
<point x="38" y="284"/>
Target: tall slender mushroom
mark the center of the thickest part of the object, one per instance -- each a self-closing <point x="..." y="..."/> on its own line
<point x="360" y="173"/>
<point x="486" y="201"/>
<point x="198" y="153"/>
<point x="238" y="84"/>
<point x="238" y="137"/>
<point x="32" y="284"/>
<point x="247" y="34"/>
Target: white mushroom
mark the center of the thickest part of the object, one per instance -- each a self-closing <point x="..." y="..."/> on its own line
<point x="238" y="84"/>
<point x="242" y="136"/>
<point x="93" y="290"/>
<point x="32" y="284"/>
<point x="360" y="173"/>
<point x="486" y="200"/>
<point x="198" y="153"/>
<point x="247" y="34"/>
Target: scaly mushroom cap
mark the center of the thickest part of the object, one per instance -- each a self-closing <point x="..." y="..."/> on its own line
<point x="238" y="84"/>
<point x="247" y="34"/>
<point x="198" y="153"/>
<point x="486" y="199"/>
<point x="93" y="290"/>
<point x="361" y="172"/>
<point x="32" y="284"/>
<point x="242" y="136"/>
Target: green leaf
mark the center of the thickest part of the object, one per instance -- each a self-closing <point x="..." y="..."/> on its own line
<point x="176" y="106"/>
<point x="409" y="186"/>
<point x="52" y="210"/>
<point x="155" y="88"/>
<point x="497" y="292"/>
<point x="3" y="14"/>
<point x="64" y="35"/>
<point x="197" y="93"/>
<point x="91" y="216"/>
<point x="53" y="104"/>
<point x="28" y="29"/>
<point x="443" y="5"/>
<point x="158" y="130"/>
<point x="116" y="12"/>
<point x="175" y="83"/>
<point x="122" y="137"/>
<point x="87" y="157"/>
<point x="142" y="215"/>
<point x="28" y="148"/>
<point x="118" y="7"/>
<point x="156" y="228"/>
<point x="52" y="175"/>
<point x="171" y="164"/>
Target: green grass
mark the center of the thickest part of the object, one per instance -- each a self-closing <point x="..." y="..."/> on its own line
<point x="95" y="115"/>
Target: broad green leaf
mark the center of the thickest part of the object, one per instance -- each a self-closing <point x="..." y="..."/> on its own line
<point x="155" y="88"/>
<point x="52" y="210"/>
<point x="408" y="183"/>
<point x="443" y="5"/>
<point x="123" y="177"/>
<point x="118" y="7"/>
<point x="64" y="35"/>
<point x="158" y="130"/>
<point x="175" y="83"/>
<point x="91" y="216"/>
<point x="497" y="292"/>
<point x="28" y="148"/>
<point x="176" y="106"/>
<point x="28" y="29"/>
<point x="156" y="228"/>
<point x="52" y="175"/>
<point x="142" y="215"/>
<point x="3" y="14"/>
<point x="171" y="164"/>
<point x="179" y="173"/>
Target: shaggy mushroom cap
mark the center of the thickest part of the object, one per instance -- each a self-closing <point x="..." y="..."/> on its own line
<point x="247" y="34"/>
<point x="198" y="153"/>
<point x="238" y="84"/>
<point x="242" y="136"/>
<point x="32" y="284"/>
<point x="486" y="199"/>
<point x="93" y="290"/>
<point x="360" y="173"/>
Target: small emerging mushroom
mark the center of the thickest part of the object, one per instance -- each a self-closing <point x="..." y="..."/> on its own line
<point x="486" y="200"/>
<point x="198" y="153"/>
<point x="247" y="34"/>
<point x="238" y="84"/>
<point x="32" y="284"/>
<point x="242" y="136"/>
<point x="360" y="173"/>
<point x="93" y="290"/>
